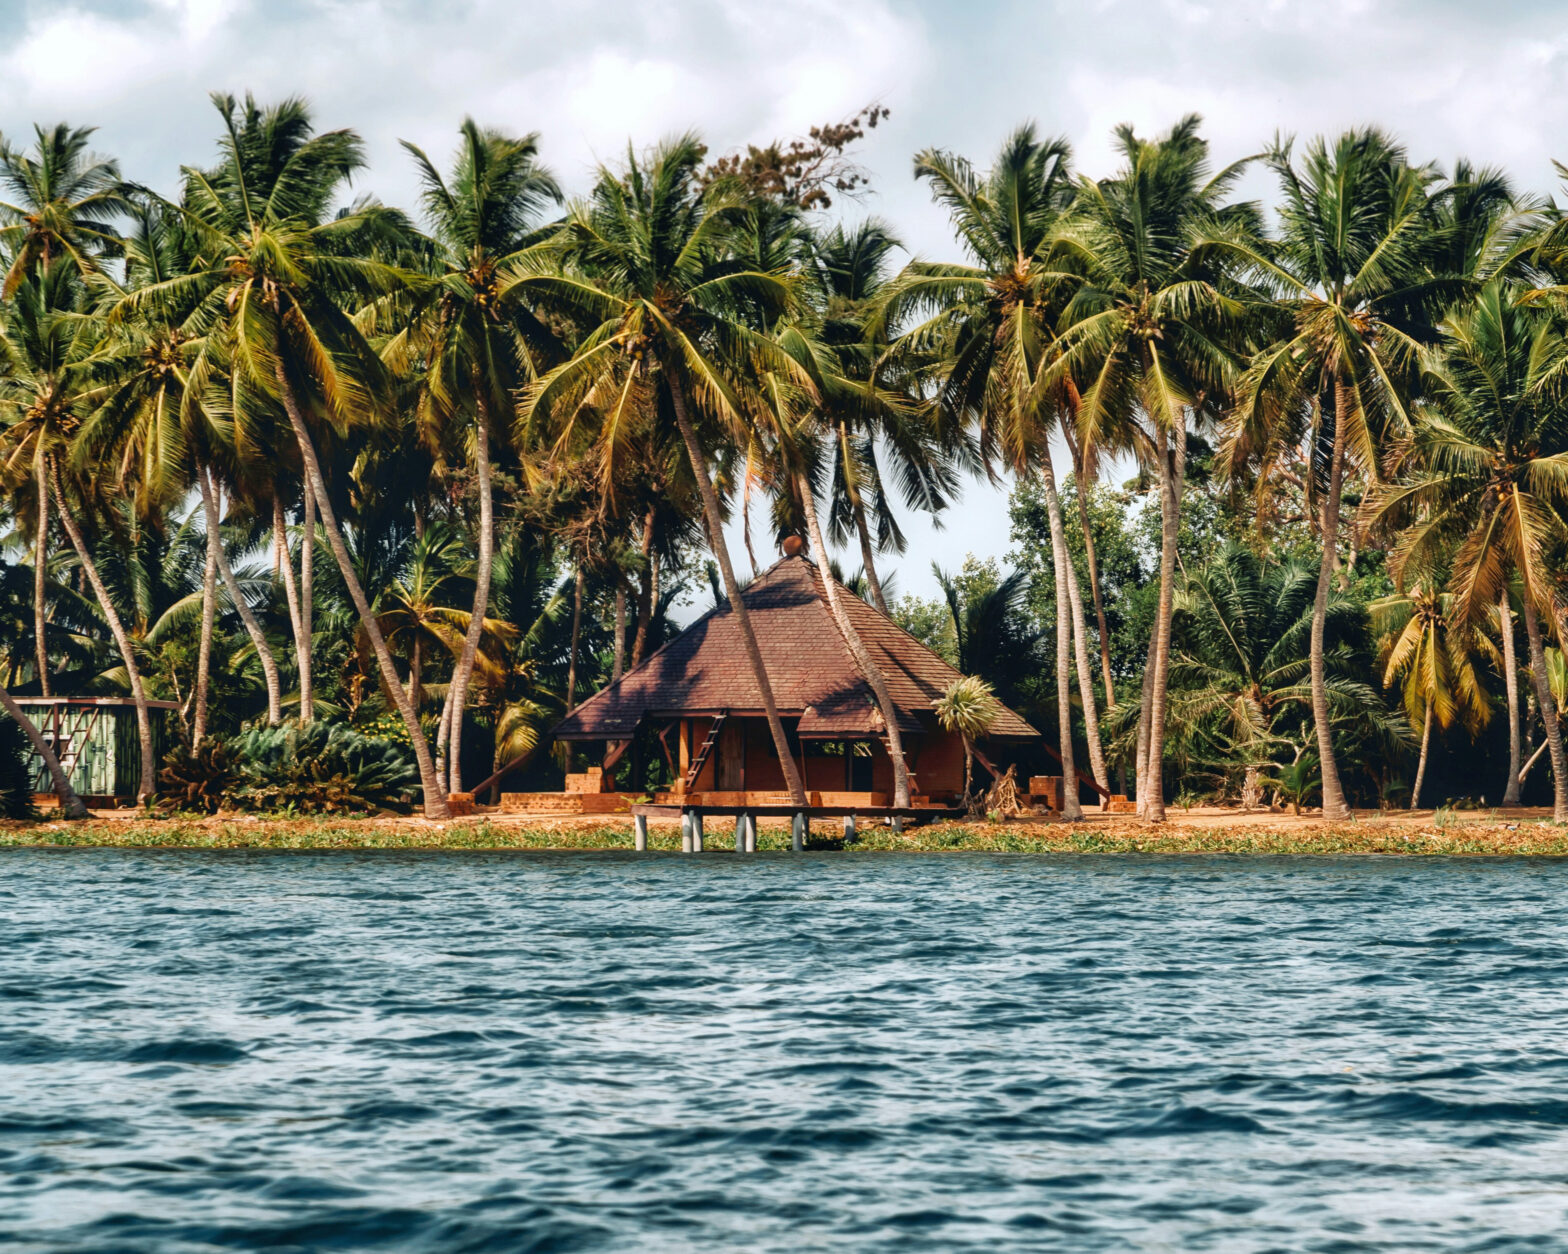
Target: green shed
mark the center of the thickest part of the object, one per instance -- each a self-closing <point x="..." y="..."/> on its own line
<point x="95" y="738"/>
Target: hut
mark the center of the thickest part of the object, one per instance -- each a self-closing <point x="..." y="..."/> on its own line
<point x="698" y="697"/>
<point x="95" y="739"/>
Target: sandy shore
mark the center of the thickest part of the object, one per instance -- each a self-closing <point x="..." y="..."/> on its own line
<point x="1199" y="830"/>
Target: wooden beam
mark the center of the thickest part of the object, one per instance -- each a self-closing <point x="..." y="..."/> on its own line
<point x="617" y="751"/>
<point x="1086" y="780"/>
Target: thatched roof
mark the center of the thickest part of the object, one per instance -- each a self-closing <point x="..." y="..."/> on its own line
<point x="705" y="670"/>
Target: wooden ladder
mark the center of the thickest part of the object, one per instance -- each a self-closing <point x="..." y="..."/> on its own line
<point x="704" y="753"/>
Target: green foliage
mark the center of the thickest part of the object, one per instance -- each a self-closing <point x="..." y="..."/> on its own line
<point x="930" y="622"/>
<point x="320" y="768"/>
<point x="1298" y="780"/>
<point x="204" y="778"/>
<point x="16" y="785"/>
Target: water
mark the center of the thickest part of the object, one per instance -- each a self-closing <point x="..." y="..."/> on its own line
<point x="298" y="1051"/>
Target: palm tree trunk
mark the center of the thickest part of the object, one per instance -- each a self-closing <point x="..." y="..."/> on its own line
<point x="1081" y="498"/>
<point x="620" y="631"/>
<point x="283" y="564"/>
<point x="307" y="595"/>
<point x="435" y="795"/>
<point x="857" y="646"/>
<point x="1426" y="742"/>
<point x="969" y="765"/>
<point x="1548" y="704"/>
<point x="1334" y="806"/>
<point x="148" y="784"/>
<point x="1062" y="566"/>
<point x="1094" y="591"/>
<point x="645" y="597"/>
<point x="40" y="566"/>
<point x="745" y="517"/>
<point x="1505" y="622"/>
<point x="868" y="557"/>
<point x="1091" y="714"/>
<point x="1172" y="457"/>
<point x="443" y="739"/>
<point x="269" y="664"/>
<point x="1145" y="707"/>
<point x="1064" y="640"/>
<point x="416" y="667"/>
<point x="70" y="803"/>
<point x="209" y="601"/>
<point x="721" y="554"/>
<point x="577" y="629"/>
<point x="476" y="621"/>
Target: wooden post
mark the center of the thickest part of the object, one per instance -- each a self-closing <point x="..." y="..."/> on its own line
<point x="696" y="832"/>
<point x="640" y="827"/>
<point x="797" y="839"/>
<point x="685" y="748"/>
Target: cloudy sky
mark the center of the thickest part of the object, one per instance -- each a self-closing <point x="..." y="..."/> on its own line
<point x="1452" y="77"/>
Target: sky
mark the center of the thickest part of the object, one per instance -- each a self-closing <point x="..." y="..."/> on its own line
<point x="1452" y="78"/>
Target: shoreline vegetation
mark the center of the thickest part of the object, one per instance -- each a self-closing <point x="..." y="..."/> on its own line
<point x="353" y="502"/>
<point x="1512" y="833"/>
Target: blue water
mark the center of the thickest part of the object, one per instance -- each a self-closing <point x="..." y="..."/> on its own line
<point x="293" y="1051"/>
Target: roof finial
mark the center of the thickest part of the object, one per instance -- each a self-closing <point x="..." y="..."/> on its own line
<point x="793" y="546"/>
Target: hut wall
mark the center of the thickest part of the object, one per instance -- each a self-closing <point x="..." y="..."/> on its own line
<point x="763" y="773"/>
<point x="936" y="759"/>
<point x="104" y="748"/>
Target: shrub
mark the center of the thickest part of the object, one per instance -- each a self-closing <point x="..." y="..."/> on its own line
<point x="199" y="779"/>
<point x="16" y="784"/>
<point x="321" y="768"/>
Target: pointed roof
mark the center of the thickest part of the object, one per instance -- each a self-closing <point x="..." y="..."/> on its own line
<point x="813" y="674"/>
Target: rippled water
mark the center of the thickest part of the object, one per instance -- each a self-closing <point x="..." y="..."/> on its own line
<point x="837" y="1052"/>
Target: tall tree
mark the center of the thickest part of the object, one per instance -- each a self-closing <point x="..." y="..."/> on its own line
<point x="482" y="345"/>
<point x="1148" y="341"/>
<point x="668" y="329"/>
<point x="60" y="202"/>
<point x="1483" y="482"/>
<point x="1353" y="268"/>
<point x="993" y="321"/>
<point x="278" y="274"/>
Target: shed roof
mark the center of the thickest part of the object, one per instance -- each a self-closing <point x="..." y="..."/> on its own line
<point x="813" y="674"/>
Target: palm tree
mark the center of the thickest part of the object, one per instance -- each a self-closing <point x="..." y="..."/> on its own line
<point x="993" y="322"/>
<point x="968" y="707"/>
<point x="1239" y="685"/>
<point x="1484" y="480"/>
<point x="415" y="619"/>
<point x="1149" y="335"/>
<point x="49" y="387"/>
<point x="668" y="319"/>
<point x="1354" y="269"/>
<point x="883" y="436"/>
<point x="1431" y="657"/>
<point x="156" y="423"/>
<point x="276" y="274"/>
<point x="481" y="346"/>
<point x="60" y="202"/>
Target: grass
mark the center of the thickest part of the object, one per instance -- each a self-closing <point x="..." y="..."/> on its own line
<point x="1447" y="833"/>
